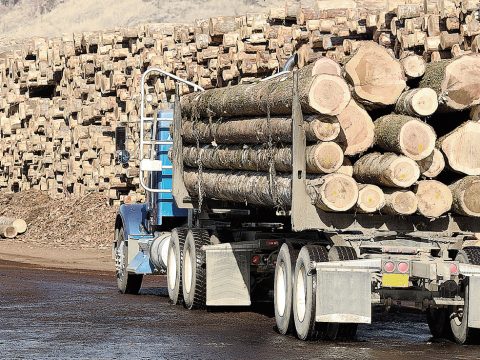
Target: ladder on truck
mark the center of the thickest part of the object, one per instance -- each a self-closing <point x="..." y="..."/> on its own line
<point x="156" y="169"/>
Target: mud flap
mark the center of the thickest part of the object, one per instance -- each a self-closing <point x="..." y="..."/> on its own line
<point x="228" y="275"/>
<point x="344" y="297"/>
<point x="474" y="302"/>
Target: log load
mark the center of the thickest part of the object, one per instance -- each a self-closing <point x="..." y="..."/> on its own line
<point x="466" y="196"/>
<point x="387" y="169"/>
<point x="324" y="94"/>
<point x="405" y="135"/>
<point x="371" y="199"/>
<point x="400" y="202"/>
<point x="377" y="77"/>
<point x="433" y="164"/>
<point x="434" y="198"/>
<point x="456" y="82"/>
<point x="258" y="130"/>
<point x="461" y="148"/>
<point x="19" y="224"/>
<point x="332" y="192"/>
<point x="323" y="158"/>
<point x="417" y="102"/>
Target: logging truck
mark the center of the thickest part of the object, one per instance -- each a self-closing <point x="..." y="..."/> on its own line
<point x="325" y="270"/>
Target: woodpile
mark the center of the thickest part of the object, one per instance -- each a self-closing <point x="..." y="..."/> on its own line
<point x="62" y="99"/>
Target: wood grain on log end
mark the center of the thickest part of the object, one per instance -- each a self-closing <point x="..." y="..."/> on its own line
<point x="329" y="94"/>
<point x="432" y="165"/>
<point x="370" y="199"/>
<point x="434" y="198"/>
<point x="337" y="192"/>
<point x="466" y="196"/>
<point x="402" y="202"/>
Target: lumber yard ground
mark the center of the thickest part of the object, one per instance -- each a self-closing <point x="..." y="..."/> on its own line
<point x="79" y="314"/>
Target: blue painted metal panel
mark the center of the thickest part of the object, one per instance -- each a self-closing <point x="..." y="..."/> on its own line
<point x="162" y="204"/>
<point x="141" y="264"/>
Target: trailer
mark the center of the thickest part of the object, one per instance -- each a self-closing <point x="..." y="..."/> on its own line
<point x="325" y="271"/>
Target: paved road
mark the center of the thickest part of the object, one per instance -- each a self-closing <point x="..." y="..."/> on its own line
<point x="47" y="314"/>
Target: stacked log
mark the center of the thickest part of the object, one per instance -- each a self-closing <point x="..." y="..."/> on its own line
<point x="62" y="99"/>
<point x="11" y="227"/>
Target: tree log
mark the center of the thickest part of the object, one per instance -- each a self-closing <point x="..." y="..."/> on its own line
<point x="466" y="196"/>
<point x="456" y="82"/>
<point x="19" y="224"/>
<point x="400" y="202"/>
<point x="370" y="199"/>
<point x="433" y="164"/>
<point x="323" y="158"/>
<point x="417" y="102"/>
<point x="434" y="198"/>
<point x="324" y="94"/>
<point x="8" y="231"/>
<point x="405" y="135"/>
<point x="461" y="148"/>
<point x="357" y="130"/>
<point x="376" y="76"/>
<point x="258" y="130"/>
<point x="413" y="66"/>
<point x="386" y="169"/>
<point x="332" y="192"/>
<point x="346" y="168"/>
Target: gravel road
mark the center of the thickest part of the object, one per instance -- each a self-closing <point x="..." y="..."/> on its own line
<point x="47" y="314"/>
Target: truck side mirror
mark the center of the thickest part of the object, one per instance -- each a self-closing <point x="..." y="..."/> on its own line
<point x="122" y="156"/>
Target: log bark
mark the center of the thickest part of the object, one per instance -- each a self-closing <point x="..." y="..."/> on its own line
<point x="357" y="133"/>
<point x="386" y="169"/>
<point x="461" y="148"/>
<point x="466" y="196"/>
<point x="323" y="158"/>
<point x="258" y="130"/>
<point x="8" y="231"/>
<point x="405" y="135"/>
<point x="377" y="77"/>
<point x="432" y="165"/>
<point x="370" y="199"/>
<point x="456" y="82"/>
<point x="324" y="94"/>
<point x="333" y="192"/>
<point x="401" y="202"/>
<point x="417" y="102"/>
<point x="19" y="224"/>
<point x="434" y="198"/>
<point x="413" y="66"/>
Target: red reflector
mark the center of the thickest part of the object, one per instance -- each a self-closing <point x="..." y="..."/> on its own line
<point x="389" y="267"/>
<point x="403" y="267"/>
<point x="453" y="269"/>
<point x="256" y="259"/>
<point x="272" y="242"/>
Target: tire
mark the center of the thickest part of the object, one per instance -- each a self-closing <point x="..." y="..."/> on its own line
<point x="194" y="284"/>
<point x="304" y="293"/>
<point x="438" y="321"/>
<point x="174" y="265"/>
<point x="283" y="288"/>
<point x="342" y="331"/>
<point x="127" y="283"/>
<point x="462" y="334"/>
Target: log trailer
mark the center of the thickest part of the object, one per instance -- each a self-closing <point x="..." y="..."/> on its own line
<point x="325" y="271"/>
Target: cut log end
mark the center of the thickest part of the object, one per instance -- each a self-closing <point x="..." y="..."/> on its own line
<point x="434" y="198"/>
<point x="404" y="172"/>
<point x="326" y="157"/>
<point x="400" y="203"/>
<point x="370" y="199"/>
<point x="413" y="66"/>
<point x="322" y="128"/>
<point x="338" y="193"/>
<point x="329" y="94"/>
<point x="417" y="140"/>
<point x="325" y="65"/>
<point x="8" y="231"/>
<point x="432" y="165"/>
<point x="466" y="196"/>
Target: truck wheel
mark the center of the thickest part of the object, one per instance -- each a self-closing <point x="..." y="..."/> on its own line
<point x="304" y="292"/>
<point x="283" y="288"/>
<point x="462" y="334"/>
<point x="127" y="283"/>
<point x="194" y="275"/>
<point x="174" y="265"/>
<point x="342" y="331"/>
<point x="439" y="323"/>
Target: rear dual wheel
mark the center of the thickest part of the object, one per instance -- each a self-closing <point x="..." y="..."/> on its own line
<point x="174" y="265"/>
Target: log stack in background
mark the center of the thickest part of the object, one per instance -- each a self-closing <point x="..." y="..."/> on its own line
<point x="61" y="99"/>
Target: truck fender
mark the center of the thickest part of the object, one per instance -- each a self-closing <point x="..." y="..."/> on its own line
<point x="131" y="217"/>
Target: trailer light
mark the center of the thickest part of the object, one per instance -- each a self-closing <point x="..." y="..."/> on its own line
<point x="389" y="267"/>
<point x="403" y="267"/>
<point x="453" y="269"/>
<point x="256" y="259"/>
<point x="272" y="243"/>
